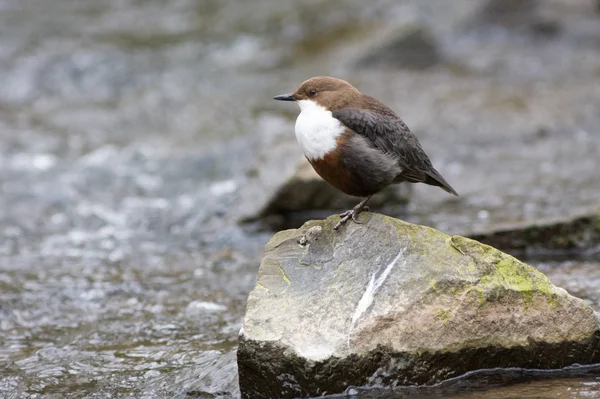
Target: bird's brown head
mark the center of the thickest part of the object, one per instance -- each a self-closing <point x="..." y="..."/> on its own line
<point x="330" y="93"/>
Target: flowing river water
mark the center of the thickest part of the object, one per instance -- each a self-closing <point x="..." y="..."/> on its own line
<point x="128" y="130"/>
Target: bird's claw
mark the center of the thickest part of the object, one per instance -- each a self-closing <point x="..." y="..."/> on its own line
<point x="355" y="218"/>
<point x="350" y="214"/>
<point x="346" y="213"/>
<point x="344" y="218"/>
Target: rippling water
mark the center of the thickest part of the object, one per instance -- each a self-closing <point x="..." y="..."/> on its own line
<point x="128" y="131"/>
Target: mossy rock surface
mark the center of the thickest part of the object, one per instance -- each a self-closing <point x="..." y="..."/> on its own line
<point x="388" y="303"/>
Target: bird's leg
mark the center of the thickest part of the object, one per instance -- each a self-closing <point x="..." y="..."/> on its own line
<point x="353" y="213"/>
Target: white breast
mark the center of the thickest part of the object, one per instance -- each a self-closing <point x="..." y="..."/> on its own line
<point x="316" y="130"/>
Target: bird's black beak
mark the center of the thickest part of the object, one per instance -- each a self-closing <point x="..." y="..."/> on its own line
<point x="285" y="97"/>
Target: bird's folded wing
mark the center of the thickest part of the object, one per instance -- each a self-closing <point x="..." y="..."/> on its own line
<point x="389" y="134"/>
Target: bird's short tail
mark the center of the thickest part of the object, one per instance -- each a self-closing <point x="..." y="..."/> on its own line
<point x="435" y="179"/>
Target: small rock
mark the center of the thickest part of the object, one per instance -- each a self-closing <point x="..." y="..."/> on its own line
<point x="151" y="374"/>
<point x="388" y="303"/>
<point x="199" y="307"/>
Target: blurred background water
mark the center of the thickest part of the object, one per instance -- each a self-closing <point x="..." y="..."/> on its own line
<point x="129" y="131"/>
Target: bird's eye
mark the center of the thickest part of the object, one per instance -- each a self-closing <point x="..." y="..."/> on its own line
<point x="312" y="93"/>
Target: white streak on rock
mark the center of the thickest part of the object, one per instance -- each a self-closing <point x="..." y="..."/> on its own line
<point x="367" y="299"/>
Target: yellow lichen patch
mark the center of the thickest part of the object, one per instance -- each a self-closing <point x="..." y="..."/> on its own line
<point x="454" y="245"/>
<point x="512" y="275"/>
<point x="443" y="315"/>
<point x="272" y="275"/>
<point x="285" y="277"/>
<point x="432" y="284"/>
<point x="480" y="295"/>
<point x="259" y="286"/>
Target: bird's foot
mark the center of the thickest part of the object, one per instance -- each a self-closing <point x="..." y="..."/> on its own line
<point x="350" y="214"/>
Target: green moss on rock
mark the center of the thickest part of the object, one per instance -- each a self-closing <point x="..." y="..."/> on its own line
<point x="432" y="284"/>
<point x="443" y="315"/>
<point x="509" y="275"/>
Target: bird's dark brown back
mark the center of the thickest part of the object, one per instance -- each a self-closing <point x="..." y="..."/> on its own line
<point x="388" y="133"/>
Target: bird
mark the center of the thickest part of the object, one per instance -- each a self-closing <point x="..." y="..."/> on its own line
<point x="356" y="143"/>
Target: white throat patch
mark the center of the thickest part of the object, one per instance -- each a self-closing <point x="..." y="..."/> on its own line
<point x="316" y="129"/>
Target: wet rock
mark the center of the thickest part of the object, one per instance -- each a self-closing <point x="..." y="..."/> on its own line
<point x="285" y="191"/>
<point x="524" y="15"/>
<point x="577" y="233"/>
<point x="388" y="303"/>
<point x="508" y="12"/>
<point x="412" y="47"/>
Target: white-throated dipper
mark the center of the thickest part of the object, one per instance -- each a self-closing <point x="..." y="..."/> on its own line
<point x="356" y="143"/>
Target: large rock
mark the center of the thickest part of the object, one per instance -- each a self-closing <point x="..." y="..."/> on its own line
<point x="392" y="303"/>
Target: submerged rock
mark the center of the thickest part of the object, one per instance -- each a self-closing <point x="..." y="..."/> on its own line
<point x="412" y="47"/>
<point x="577" y="233"/>
<point x="516" y="14"/>
<point x="508" y="12"/>
<point x="390" y="303"/>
